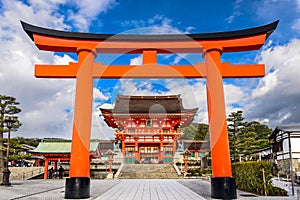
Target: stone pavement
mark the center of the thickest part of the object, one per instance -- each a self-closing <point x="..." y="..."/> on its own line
<point x="133" y="189"/>
<point x="156" y="189"/>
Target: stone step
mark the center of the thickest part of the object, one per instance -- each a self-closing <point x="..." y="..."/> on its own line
<point x="148" y="171"/>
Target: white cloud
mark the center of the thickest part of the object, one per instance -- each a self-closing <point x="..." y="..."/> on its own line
<point x="43" y="101"/>
<point x="233" y="94"/>
<point x="266" y="85"/>
<point x="42" y="13"/>
<point x="98" y="95"/>
<point x="235" y="6"/>
<point x="99" y="127"/>
<point x="277" y="97"/>
<point x="230" y="19"/>
<point x="136" y="61"/>
<point x="158" y="24"/>
<point x="47" y="104"/>
<point x="87" y="11"/>
<point x="298" y="5"/>
<point x="107" y="106"/>
<point x="296" y="25"/>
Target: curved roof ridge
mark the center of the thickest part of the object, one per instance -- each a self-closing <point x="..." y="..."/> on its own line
<point x="265" y="29"/>
<point x="177" y="96"/>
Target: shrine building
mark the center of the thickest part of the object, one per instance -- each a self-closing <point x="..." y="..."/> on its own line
<point x="59" y="150"/>
<point x="148" y="126"/>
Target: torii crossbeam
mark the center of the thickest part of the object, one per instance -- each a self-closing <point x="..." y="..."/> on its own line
<point x="211" y="45"/>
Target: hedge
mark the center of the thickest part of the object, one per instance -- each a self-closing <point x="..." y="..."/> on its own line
<point x="249" y="177"/>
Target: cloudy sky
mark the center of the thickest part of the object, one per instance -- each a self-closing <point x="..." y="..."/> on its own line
<point x="47" y="104"/>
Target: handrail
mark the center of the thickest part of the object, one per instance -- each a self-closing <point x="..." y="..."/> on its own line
<point x="177" y="170"/>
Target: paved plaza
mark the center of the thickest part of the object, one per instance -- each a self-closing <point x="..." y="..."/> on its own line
<point x="133" y="189"/>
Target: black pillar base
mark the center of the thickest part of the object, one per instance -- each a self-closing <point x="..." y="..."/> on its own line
<point x="5" y="180"/>
<point x="77" y="188"/>
<point x="223" y="188"/>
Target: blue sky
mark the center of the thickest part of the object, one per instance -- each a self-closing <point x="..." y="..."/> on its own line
<point x="47" y="104"/>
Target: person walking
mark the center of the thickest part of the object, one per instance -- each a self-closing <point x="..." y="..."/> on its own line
<point x="51" y="171"/>
<point x="60" y="172"/>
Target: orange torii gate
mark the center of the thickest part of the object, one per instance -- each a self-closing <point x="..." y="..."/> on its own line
<point x="211" y="45"/>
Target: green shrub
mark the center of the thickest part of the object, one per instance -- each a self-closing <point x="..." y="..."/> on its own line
<point x="276" y="191"/>
<point x="249" y="177"/>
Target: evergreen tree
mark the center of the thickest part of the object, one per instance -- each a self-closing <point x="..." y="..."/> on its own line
<point x="195" y="131"/>
<point x="16" y="144"/>
<point x="203" y="132"/>
<point x="246" y="137"/>
<point x="246" y="143"/>
<point x="190" y="131"/>
<point x="8" y="107"/>
<point x="255" y="136"/>
<point x="235" y="125"/>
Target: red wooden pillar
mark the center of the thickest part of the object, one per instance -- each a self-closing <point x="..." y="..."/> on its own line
<point x="222" y="182"/>
<point x="123" y="147"/>
<point x="110" y="166"/>
<point x="78" y="185"/>
<point x="196" y="155"/>
<point x="46" y="169"/>
<point x="123" y="138"/>
<point x="136" y="149"/>
<point x="174" y="146"/>
<point x="186" y="167"/>
<point x="161" y="149"/>
<point x="55" y="165"/>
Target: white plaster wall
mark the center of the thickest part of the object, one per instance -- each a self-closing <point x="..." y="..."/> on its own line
<point x="285" y="145"/>
<point x="295" y="142"/>
<point x="295" y="145"/>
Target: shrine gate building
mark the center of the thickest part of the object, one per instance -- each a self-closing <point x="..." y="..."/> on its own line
<point x="148" y="126"/>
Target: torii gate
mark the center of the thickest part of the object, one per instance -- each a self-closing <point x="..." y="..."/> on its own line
<point x="211" y="45"/>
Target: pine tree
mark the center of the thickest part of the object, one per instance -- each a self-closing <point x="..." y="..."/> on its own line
<point x="8" y="107"/>
<point x="203" y="132"/>
<point x="246" y="142"/>
<point x="195" y="131"/>
<point x="235" y="125"/>
<point x="259" y="139"/>
<point x="246" y="137"/>
<point x="190" y="131"/>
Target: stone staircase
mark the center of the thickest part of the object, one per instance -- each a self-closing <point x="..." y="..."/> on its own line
<point x="148" y="171"/>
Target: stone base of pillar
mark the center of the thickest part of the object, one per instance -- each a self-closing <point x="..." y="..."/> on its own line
<point x="5" y="177"/>
<point x="77" y="188"/>
<point x="223" y="188"/>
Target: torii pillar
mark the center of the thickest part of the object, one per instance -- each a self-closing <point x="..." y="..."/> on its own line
<point x="222" y="183"/>
<point x="78" y="185"/>
<point x="211" y="45"/>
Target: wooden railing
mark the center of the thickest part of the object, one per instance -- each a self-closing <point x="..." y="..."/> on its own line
<point x="147" y="131"/>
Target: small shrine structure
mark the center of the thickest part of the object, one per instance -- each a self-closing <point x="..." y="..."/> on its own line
<point x="59" y="150"/>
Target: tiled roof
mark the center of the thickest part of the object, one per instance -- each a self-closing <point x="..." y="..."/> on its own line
<point x="63" y="146"/>
<point x="148" y="104"/>
<point x="285" y="129"/>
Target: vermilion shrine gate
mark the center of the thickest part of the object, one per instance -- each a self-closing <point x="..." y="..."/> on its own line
<point x="211" y="45"/>
<point x="148" y="126"/>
